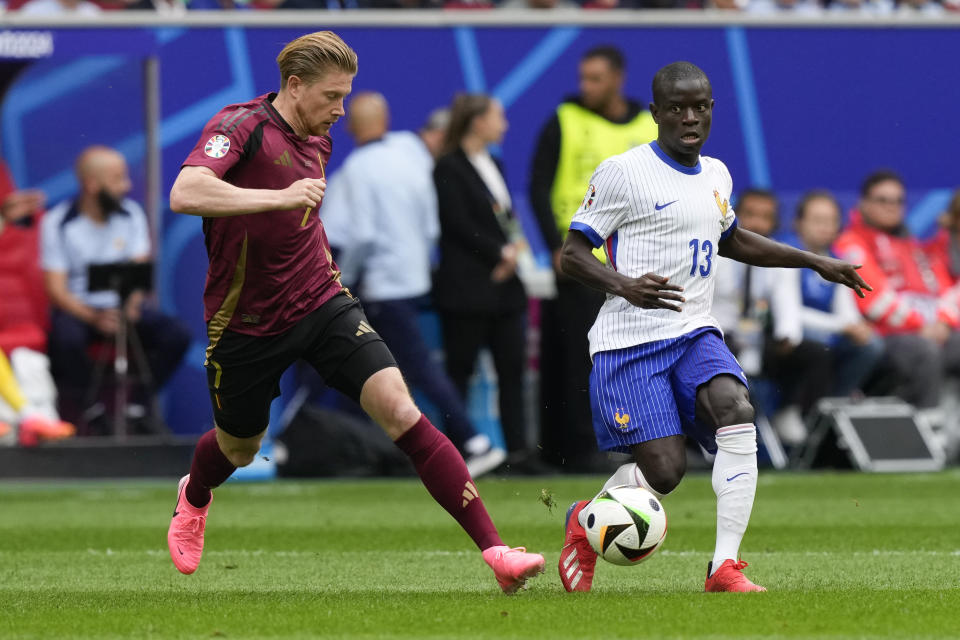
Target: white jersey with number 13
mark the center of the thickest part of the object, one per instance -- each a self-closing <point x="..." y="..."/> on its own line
<point x="654" y="215"/>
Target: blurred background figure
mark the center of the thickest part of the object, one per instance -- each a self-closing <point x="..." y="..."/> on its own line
<point x="60" y="7"/>
<point x="480" y="299"/>
<point x="101" y="225"/>
<point x="944" y="247"/>
<point x="912" y="305"/>
<point x="380" y="214"/>
<point x="741" y="302"/>
<point x="798" y="7"/>
<point x="584" y="130"/>
<point x="822" y="346"/>
<point x="28" y="397"/>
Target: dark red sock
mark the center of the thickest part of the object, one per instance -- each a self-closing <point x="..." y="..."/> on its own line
<point x="209" y="469"/>
<point x="445" y="476"/>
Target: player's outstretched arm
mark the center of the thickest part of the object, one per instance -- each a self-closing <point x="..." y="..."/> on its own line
<point x="199" y="191"/>
<point x="751" y="248"/>
<point x="649" y="291"/>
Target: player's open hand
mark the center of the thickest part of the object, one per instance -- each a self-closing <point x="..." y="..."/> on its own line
<point x="842" y="273"/>
<point x="651" y="291"/>
<point x="307" y="192"/>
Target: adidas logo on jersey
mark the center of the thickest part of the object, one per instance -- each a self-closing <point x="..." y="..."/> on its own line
<point x="284" y="159"/>
<point x="363" y="328"/>
<point x="469" y="493"/>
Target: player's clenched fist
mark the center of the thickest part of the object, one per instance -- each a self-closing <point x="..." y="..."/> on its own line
<point x="307" y="192"/>
<point x="651" y="291"/>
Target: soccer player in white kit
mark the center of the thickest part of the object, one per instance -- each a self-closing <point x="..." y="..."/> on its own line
<point x="660" y="367"/>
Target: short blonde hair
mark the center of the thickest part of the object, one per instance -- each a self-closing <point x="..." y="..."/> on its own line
<point x="311" y="56"/>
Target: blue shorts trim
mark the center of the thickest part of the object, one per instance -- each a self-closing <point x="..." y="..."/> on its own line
<point x="649" y="391"/>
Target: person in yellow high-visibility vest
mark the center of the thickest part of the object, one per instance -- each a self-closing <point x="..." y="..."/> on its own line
<point x="583" y="131"/>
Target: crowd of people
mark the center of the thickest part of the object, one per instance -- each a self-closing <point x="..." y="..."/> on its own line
<point x="816" y="340"/>
<point x="421" y="220"/>
<point x="759" y="7"/>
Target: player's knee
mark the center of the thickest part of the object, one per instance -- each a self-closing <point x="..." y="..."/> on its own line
<point x="663" y="480"/>
<point x="387" y="400"/>
<point x="734" y="409"/>
<point x="398" y="413"/>
<point x="403" y="415"/>
<point x="241" y="457"/>
<point x="664" y="471"/>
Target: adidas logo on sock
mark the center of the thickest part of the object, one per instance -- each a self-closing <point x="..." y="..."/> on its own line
<point x="284" y="159"/>
<point x="469" y="493"/>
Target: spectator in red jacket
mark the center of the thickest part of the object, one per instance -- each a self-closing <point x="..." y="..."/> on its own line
<point x="27" y="394"/>
<point x="912" y="305"/>
<point x="944" y="248"/>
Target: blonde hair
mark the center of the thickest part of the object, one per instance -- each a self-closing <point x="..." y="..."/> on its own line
<point x="311" y="56"/>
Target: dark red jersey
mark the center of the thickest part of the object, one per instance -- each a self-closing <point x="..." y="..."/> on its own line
<point x="267" y="270"/>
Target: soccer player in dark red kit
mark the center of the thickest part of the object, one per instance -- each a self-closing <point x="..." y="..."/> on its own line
<point x="273" y="295"/>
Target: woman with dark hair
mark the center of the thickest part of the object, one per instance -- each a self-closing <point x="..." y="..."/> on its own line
<point x="477" y="292"/>
<point x="822" y="345"/>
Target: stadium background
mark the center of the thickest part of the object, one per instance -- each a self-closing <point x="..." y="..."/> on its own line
<point x="797" y="108"/>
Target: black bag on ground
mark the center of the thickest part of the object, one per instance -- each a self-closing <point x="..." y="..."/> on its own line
<point x="326" y="443"/>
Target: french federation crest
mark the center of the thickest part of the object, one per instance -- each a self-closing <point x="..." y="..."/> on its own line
<point x="623" y="419"/>
<point x="723" y="204"/>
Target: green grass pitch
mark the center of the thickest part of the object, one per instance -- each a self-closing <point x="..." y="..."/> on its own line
<point x="843" y="555"/>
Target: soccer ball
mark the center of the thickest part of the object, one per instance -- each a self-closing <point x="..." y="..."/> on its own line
<point x="626" y="525"/>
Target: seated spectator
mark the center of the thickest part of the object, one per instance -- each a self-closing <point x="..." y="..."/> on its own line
<point x="912" y="304"/>
<point x="542" y="4"/>
<point x="796" y="7"/>
<point x="60" y="7"/>
<point x="919" y="7"/>
<point x="944" y="247"/>
<point x="100" y="226"/>
<point x="741" y="301"/>
<point x="741" y="305"/>
<point x="812" y="316"/>
<point x="27" y="395"/>
<point x="380" y="214"/>
<point x="868" y="7"/>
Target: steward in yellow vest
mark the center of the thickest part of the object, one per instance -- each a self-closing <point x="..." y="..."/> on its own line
<point x="584" y="131"/>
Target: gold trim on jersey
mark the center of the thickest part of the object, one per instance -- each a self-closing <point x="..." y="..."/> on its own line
<point x="221" y="319"/>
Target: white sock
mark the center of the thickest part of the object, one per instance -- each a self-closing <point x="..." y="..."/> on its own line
<point x="735" y="483"/>
<point x="628" y="474"/>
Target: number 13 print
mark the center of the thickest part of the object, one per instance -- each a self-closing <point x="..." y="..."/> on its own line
<point x="706" y="248"/>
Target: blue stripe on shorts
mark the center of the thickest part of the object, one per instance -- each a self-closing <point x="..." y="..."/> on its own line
<point x="649" y="391"/>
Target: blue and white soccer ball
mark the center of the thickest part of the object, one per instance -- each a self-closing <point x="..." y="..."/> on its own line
<point x="626" y="525"/>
